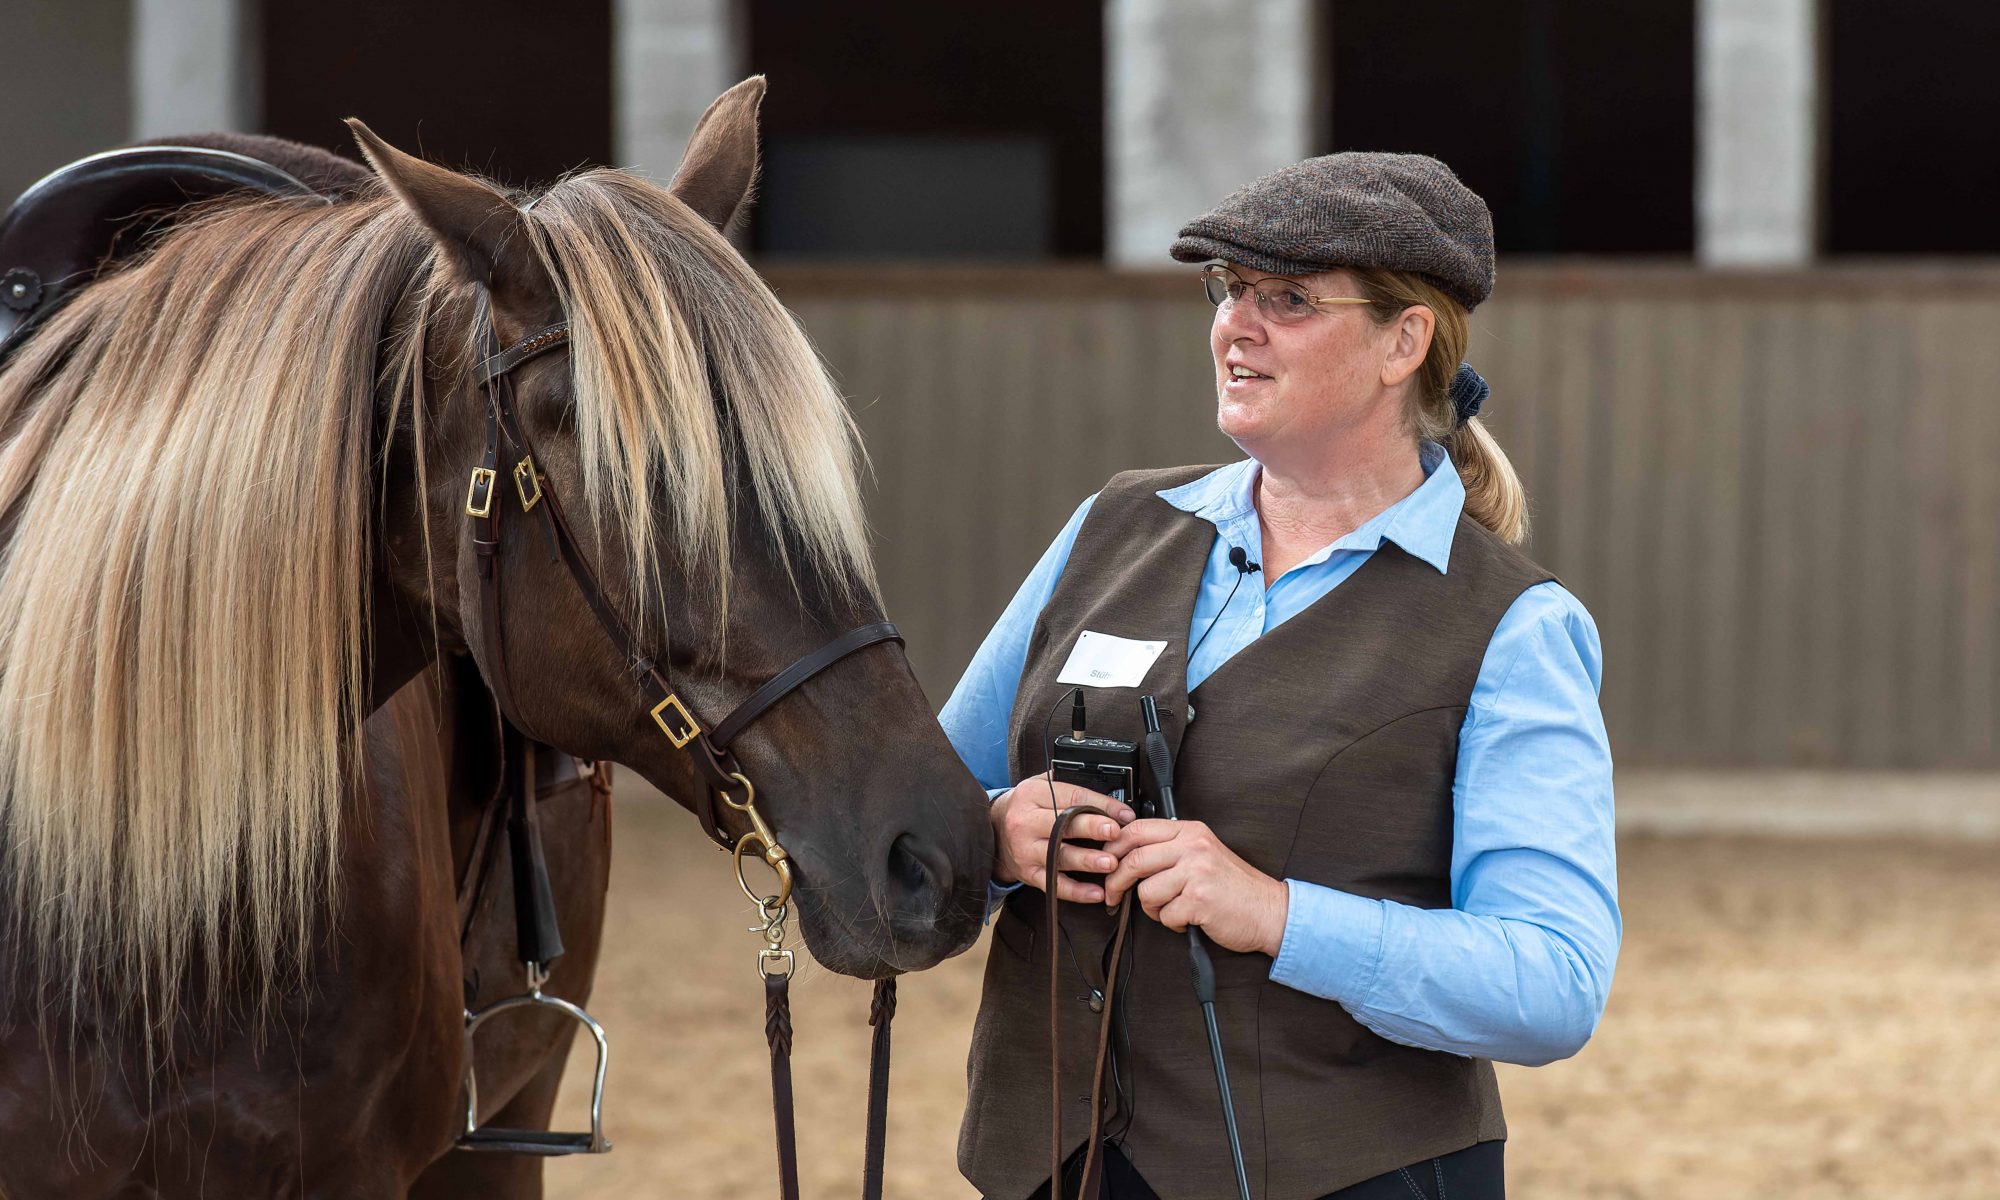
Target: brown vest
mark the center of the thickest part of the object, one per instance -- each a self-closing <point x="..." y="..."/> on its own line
<point x="1324" y="751"/>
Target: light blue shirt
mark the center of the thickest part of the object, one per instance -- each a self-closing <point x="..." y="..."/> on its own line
<point x="1518" y="968"/>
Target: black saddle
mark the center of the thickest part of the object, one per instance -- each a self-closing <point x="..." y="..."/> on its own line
<point x="67" y="228"/>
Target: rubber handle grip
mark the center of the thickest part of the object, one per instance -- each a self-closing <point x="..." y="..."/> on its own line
<point x="1162" y="764"/>
<point x="1203" y="970"/>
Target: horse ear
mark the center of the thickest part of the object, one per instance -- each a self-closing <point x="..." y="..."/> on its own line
<point x="720" y="165"/>
<point x="478" y="229"/>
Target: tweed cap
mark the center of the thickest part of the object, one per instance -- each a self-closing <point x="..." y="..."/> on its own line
<point x="1402" y="212"/>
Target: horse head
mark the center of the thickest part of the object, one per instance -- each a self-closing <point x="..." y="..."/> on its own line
<point x="709" y="469"/>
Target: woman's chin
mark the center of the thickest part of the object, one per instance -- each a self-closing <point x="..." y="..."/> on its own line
<point x="1241" y="422"/>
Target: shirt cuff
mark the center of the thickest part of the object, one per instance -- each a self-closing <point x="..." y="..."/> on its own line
<point x="1332" y="946"/>
<point x="996" y="893"/>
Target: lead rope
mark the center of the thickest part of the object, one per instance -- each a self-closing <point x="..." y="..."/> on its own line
<point x="1087" y="1182"/>
<point x="775" y="964"/>
<point x="778" y="1031"/>
<point x="881" y="1011"/>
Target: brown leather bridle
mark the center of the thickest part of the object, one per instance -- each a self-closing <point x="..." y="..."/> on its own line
<point x="708" y="748"/>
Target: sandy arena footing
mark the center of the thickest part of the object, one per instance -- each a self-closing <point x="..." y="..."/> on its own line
<point x="1797" y="1017"/>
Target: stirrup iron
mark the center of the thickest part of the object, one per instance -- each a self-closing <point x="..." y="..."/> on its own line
<point x="542" y="1142"/>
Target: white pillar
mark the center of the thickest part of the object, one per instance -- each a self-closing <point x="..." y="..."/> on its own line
<point x="194" y="67"/>
<point x="1204" y="96"/>
<point x="1758" y="163"/>
<point x="673" y="58"/>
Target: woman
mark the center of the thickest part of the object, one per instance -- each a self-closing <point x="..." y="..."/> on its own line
<point x="1393" y="776"/>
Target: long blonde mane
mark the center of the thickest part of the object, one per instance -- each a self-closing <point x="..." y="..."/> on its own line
<point x="186" y="457"/>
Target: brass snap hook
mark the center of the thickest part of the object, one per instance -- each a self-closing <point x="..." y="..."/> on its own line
<point x="766" y="844"/>
<point x="775" y="857"/>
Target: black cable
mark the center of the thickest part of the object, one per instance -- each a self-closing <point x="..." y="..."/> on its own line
<point x="1121" y="1044"/>
<point x="1241" y="561"/>
<point x="1049" y="747"/>
<point x="1162" y="764"/>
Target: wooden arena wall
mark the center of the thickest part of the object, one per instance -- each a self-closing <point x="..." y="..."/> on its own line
<point x="1778" y="493"/>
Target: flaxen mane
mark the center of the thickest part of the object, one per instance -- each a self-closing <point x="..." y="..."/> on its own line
<point x="184" y="464"/>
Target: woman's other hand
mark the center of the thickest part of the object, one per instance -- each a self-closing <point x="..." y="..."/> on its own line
<point x="1185" y="876"/>
<point x="1022" y="817"/>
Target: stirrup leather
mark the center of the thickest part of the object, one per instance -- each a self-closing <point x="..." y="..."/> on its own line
<point x="547" y="1143"/>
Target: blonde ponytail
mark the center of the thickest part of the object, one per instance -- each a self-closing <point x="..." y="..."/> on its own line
<point x="1493" y="493"/>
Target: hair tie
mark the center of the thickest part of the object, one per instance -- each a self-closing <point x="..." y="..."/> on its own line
<point x="1468" y="392"/>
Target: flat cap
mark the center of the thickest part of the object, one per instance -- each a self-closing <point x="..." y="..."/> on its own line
<point x="1401" y="212"/>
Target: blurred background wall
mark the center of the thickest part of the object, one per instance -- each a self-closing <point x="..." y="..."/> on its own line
<point x="1742" y="346"/>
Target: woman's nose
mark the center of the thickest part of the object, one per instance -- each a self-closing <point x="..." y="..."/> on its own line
<point x="1239" y="320"/>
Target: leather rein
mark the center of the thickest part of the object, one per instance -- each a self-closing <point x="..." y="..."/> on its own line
<point x="508" y="448"/>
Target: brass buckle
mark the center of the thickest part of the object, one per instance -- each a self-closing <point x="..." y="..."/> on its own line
<point x="528" y="482"/>
<point x="479" y="495"/>
<point x="688" y="728"/>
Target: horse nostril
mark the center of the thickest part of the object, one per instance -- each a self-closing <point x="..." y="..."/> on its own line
<point x="912" y="875"/>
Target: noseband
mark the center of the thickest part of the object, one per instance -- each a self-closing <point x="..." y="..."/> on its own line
<point x="708" y="748"/>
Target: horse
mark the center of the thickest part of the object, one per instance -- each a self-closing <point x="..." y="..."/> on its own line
<point x="250" y="651"/>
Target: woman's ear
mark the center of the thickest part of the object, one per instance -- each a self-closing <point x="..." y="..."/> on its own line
<point x="1409" y="344"/>
<point x="478" y="230"/>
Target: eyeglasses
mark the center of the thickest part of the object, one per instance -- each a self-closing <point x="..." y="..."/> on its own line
<point x="1282" y="301"/>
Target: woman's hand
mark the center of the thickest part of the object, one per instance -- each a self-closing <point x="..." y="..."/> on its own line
<point x="1186" y="876"/>
<point x="1022" y="818"/>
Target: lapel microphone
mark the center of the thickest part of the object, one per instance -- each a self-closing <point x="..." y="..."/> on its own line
<point x="1240" y="559"/>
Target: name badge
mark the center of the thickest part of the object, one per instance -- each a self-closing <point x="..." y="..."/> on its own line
<point x="1101" y="660"/>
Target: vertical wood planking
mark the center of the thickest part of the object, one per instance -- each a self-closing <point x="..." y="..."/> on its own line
<point x="1875" y="543"/>
<point x="1976" y="411"/>
<point x="1678" y="571"/>
<point x="1781" y="504"/>
<point x="1811" y="458"/>
<point x="1623" y="494"/>
<point x="1711" y="347"/>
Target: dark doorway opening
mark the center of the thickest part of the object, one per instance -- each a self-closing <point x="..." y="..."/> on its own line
<point x="1913" y="127"/>
<point x="1575" y="120"/>
<point x="907" y="129"/>
<point x="503" y="87"/>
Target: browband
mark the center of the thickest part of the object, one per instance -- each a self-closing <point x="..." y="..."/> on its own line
<point x="540" y="342"/>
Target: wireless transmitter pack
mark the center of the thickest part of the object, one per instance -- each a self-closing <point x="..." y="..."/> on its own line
<point x="1102" y="765"/>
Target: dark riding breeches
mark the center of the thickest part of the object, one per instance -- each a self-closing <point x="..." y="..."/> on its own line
<point x="1474" y="1173"/>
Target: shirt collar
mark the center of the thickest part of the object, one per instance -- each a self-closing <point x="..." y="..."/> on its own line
<point x="1423" y="523"/>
